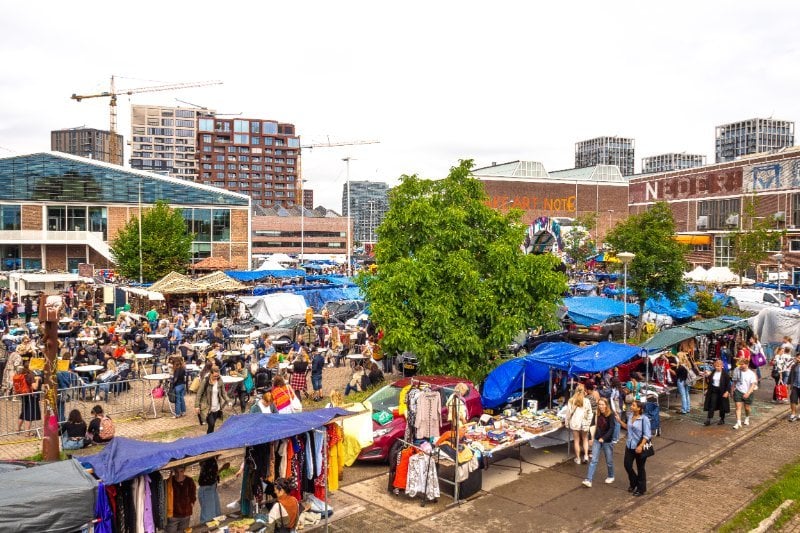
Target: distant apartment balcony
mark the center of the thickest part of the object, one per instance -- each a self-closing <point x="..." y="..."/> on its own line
<point x="90" y="238"/>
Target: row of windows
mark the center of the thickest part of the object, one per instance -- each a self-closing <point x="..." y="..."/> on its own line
<point x="306" y="234"/>
<point x="297" y="244"/>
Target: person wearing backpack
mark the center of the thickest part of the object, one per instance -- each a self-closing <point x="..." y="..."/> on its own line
<point x="101" y="428"/>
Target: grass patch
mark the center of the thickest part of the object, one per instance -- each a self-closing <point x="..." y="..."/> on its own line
<point x="38" y="457"/>
<point x="770" y="495"/>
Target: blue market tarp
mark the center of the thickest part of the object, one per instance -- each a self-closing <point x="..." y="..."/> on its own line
<point x="588" y="310"/>
<point x="508" y="378"/>
<point x="315" y="295"/>
<point x="555" y="354"/>
<point x="123" y="459"/>
<point x="682" y="309"/>
<point x="256" y="275"/>
<point x="602" y="356"/>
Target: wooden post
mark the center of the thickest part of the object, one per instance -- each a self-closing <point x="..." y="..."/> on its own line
<point x="48" y="316"/>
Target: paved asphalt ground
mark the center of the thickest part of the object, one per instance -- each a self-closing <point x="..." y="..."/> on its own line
<point x="699" y="477"/>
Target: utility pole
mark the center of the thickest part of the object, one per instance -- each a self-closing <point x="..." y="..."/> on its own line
<point x="49" y="307"/>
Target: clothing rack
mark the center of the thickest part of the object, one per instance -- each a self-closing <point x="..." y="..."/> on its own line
<point x="430" y="460"/>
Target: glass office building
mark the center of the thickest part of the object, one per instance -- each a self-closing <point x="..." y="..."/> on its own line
<point x="59" y="210"/>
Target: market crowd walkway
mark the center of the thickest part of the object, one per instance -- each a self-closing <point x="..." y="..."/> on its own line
<point x="699" y="477"/>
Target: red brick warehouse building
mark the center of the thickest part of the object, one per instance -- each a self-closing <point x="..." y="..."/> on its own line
<point x="709" y="202"/>
<point x="571" y="193"/>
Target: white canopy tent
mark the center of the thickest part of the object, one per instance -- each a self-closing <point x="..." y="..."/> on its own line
<point x="269" y="264"/>
<point x="270" y="308"/>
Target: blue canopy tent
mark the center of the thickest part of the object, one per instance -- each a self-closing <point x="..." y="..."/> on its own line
<point x="588" y="310"/>
<point x="602" y="356"/>
<point x="684" y="308"/>
<point x="510" y="377"/>
<point x="555" y="354"/>
<point x="255" y="275"/>
<point x="125" y="459"/>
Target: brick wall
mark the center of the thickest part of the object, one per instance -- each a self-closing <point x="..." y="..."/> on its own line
<point x="56" y="257"/>
<point x="117" y="218"/>
<point x="239" y="256"/>
<point x="239" y="218"/>
<point x="98" y="260"/>
<point x="32" y="217"/>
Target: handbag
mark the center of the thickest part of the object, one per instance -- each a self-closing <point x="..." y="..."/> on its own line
<point x="158" y="392"/>
<point x="648" y="450"/>
<point x="171" y="396"/>
<point x="248" y="383"/>
<point x="281" y="528"/>
<point x="194" y="386"/>
<point x="758" y="359"/>
<point x="691" y="377"/>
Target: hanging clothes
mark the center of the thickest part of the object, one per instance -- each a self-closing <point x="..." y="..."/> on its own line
<point x="429" y="415"/>
<point x="411" y="414"/>
<point x="401" y="472"/>
<point x="422" y="478"/>
<point x="335" y="455"/>
<point x="103" y="512"/>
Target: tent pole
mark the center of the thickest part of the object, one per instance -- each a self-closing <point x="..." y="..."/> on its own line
<point x="522" y="398"/>
<point x="550" y="387"/>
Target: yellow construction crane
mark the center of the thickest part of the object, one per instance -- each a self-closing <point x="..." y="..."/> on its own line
<point x="114" y="92"/>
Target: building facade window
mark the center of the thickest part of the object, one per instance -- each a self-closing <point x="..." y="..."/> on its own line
<point x="723" y="251"/>
<point x="719" y="213"/>
<point x="10" y="217"/>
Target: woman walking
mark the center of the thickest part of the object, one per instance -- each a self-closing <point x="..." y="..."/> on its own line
<point x="579" y="419"/>
<point x="211" y="398"/>
<point x="718" y="385"/>
<point x="682" y="379"/>
<point x="638" y="427"/>
<point x="606" y="424"/>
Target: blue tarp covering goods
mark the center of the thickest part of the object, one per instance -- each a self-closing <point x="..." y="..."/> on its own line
<point x="507" y="378"/>
<point x="256" y="275"/>
<point x="124" y="459"/>
<point x="588" y="310"/>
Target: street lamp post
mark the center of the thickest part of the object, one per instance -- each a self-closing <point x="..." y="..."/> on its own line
<point x="349" y="223"/>
<point x="625" y="257"/>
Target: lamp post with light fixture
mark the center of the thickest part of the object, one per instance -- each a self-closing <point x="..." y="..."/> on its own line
<point x="625" y="257"/>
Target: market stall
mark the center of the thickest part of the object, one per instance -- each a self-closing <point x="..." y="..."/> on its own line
<point x="127" y="465"/>
<point x="52" y="497"/>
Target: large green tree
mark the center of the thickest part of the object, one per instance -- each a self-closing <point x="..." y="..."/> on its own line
<point x="166" y="244"/>
<point x="754" y="241"/>
<point x="452" y="283"/>
<point x="660" y="260"/>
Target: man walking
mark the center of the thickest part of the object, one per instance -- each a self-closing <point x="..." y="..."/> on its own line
<point x="746" y="382"/>
<point x="794" y="383"/>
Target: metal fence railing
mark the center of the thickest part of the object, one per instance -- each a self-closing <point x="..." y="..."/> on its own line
<point x="117" y="398"/>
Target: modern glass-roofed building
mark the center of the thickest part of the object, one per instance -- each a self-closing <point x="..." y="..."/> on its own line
<point x="59" y="210"/>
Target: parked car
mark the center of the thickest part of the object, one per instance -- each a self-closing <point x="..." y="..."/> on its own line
<point x="756" y="299"/>
<point x="344" y="310"/>
<point x="526" y="342"/>
<point x="290" y="328"/>
<point x="607" y="330"/>
<point x="387" y="399"/>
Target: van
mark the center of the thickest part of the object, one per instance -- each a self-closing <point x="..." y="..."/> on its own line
<point x="756" y="299"/>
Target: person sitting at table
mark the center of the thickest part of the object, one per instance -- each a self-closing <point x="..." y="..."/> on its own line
<point x="190" y="326"/>
<point x="139" y="345"/>
<point x="216" y="335"/>
<point x="248" y="349"/>
<point x="94" y="352"/>
<point x="103" y="381"/>
<point x="283" y="395"/>
<point x="633" y="385"/>
<point x="86" y="332"/>
<point x="237" y="390"/>
<point x="103" y="337"/>
<point x="81" y="358"/>
<point x="203" y="323"/>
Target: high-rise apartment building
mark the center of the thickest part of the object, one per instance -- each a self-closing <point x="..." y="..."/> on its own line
<point x="673" y="161"/>
<point x="752" y="136"/>
<point x="256" y="157"/>
<point x="308" y="198"/>
<point x="164" y="139"/>
<point x="87" y="142"/>
<point x="370" y="201"/>
<point x="606" y="151"/>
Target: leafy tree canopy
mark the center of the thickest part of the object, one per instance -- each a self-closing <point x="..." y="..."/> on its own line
<point x="660" y="260"/>
<point x="452" y="283"/>
<point x="753" y="242"/>
<point x="166" y="244"/>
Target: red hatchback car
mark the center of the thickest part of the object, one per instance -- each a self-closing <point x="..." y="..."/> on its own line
<point x="388" y="399"/>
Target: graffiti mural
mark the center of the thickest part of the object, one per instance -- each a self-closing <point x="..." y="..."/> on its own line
<point x="542" y="236"/>
<point x="772" y="177"/>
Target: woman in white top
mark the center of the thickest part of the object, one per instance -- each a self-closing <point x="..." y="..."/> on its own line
<point x="579" y="420"/>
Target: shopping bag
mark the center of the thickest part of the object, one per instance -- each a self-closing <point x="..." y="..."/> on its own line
<point x="780" y="393"/>
<point x="194" y="386"/>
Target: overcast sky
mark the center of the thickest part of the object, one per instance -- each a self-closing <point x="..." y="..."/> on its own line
<point x="434" y="81"/>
